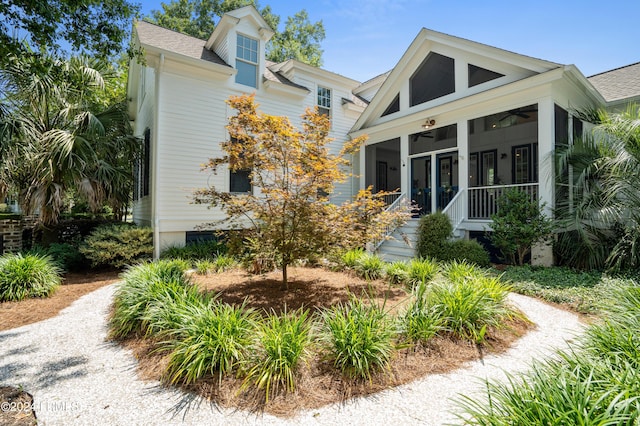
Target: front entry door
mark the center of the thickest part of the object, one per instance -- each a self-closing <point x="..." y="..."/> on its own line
<point x="421" y="184"/>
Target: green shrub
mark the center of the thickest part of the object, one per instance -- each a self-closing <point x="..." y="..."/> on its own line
<point x="212" y="338"/>
<point x="350" y="258"/>
<point x="369" y="267"/>
<point x="459" y="271"/>
<point x="518" y="224"/>
<point x="23" y="276"/>
<point x="283" y="344"/>
<point x="469" y="306"/>
<point x="141" y="286"/>
<point x="118" y="245"/>
<point x="433" y="231"/>
<point x="397" y="272"/>
<point x="360" y="338"/>
<point x="422" y="271"/>
<point x="465" y="250"/>
<point x="199" y="250"/>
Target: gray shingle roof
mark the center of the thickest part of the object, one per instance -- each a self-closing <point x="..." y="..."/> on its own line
<point x="173" y="41"/>
<point x="279" y="78"/>
<point x="617" y="84"/>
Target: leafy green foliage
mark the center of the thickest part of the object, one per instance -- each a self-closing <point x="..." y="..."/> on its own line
<point x="211" y="339"/>
<point x="300" y="40"/>
<point x="585" y="292"/>
<point x="60" y="137"/>
<point x="518" y="224"/>
<point x="360" y="338"/>
<point x="465" y="250"/>
<point x="118" y="245"/>
<point x="595" y="382"/>
<point x="433" y="231"/>
<point x="66" y="256"/>
<point x="85" y="25"/>
<point x="23" y="276"/>
<point x="283" y="344"/>
<point x="597" y="201"/>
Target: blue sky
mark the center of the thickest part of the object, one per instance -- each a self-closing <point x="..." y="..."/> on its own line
<point x="365" y="38"/>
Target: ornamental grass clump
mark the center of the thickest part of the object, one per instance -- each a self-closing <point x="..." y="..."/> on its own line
<point x="142" y="285"/>
<point x="369" y="267"/>
<point x="397" y="272"/>
<point x="212" y="339"/>
<point x="420" y="322"/>
<point x="24" y="276"/>
<point x="360" y="338"/>
<point x="469" y="306"/>
<point x="422" y="271"/>
<point x="349" y="259"/>
<point x="283" y="343"/>
<point x="223" y="263"/>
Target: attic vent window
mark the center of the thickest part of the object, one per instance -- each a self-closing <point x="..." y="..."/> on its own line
<point x="247" y="61"/>
<point x="394" y="106"/>
<point x="478" y="75"/>
<point x="433" y="79"/>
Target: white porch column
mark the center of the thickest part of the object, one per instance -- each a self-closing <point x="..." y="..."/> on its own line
<point x="543" y="255"/>
<point x="463" y="162"/>
<point x="404" y="165"/>
<point x="363" y="168"/>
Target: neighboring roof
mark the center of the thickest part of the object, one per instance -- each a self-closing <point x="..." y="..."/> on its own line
<point x="619" y="83"/>
<point x="356" y="100"/>
<point x="156" y="36"/>
<point x="279" y="78"/>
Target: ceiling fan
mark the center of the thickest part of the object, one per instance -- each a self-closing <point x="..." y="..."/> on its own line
<point x="428" y="134"/>
<point x="519" y="112"/>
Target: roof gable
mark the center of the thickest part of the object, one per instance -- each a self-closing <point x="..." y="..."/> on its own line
<point x="454" y="58"/>
<point x="231" y="19"/>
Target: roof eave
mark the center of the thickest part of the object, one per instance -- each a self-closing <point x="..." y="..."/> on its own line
<point x="211" y="66"/>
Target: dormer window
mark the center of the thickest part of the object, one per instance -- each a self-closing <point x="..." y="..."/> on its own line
<point x="247" y="61"/>
<point x="324" y="101"/>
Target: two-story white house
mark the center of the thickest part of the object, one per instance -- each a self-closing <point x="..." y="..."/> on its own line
<point x="177" y="103"/>
<point x="450" y="127"/>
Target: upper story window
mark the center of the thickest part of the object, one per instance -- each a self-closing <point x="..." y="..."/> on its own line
<point x="434" y="78"/>
<point x="324" y="101"/>
<point x="247" y="61"/>
<point x="394" y="106"/>
<point x="479" y="75"/>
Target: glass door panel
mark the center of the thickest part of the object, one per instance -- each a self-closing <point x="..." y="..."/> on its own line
<point x="421" y="184"/>
<point x="447" y="178"/>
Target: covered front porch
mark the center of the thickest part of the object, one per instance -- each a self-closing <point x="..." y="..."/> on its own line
<point x="464" y="167"/>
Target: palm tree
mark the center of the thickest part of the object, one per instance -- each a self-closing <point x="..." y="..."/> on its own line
<point x="598" y="195"/>
<point x="62" y="136"/>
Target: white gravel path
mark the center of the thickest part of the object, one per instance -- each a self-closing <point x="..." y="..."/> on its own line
<point x="77" y="378"/>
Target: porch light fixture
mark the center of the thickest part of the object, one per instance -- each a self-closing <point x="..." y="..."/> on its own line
<point x="429" y="123"/>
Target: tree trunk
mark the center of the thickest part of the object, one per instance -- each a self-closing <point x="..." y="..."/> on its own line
<point x="284" y="276"/>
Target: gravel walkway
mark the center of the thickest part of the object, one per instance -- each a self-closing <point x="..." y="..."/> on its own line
<point x="77" y="378"/>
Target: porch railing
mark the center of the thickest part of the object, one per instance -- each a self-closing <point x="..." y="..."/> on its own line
<point x="455" y="209"/>
<point x="396" y="204"/>
<point x="390" y="198"/>
<point x="483" y="199"/>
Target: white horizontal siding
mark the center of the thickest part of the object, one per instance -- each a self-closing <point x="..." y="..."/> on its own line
<point x="142" y="207"/>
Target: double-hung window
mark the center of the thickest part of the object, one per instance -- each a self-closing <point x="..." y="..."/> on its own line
<point x="324" y="101"/>
<point x="247" y="61"/>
